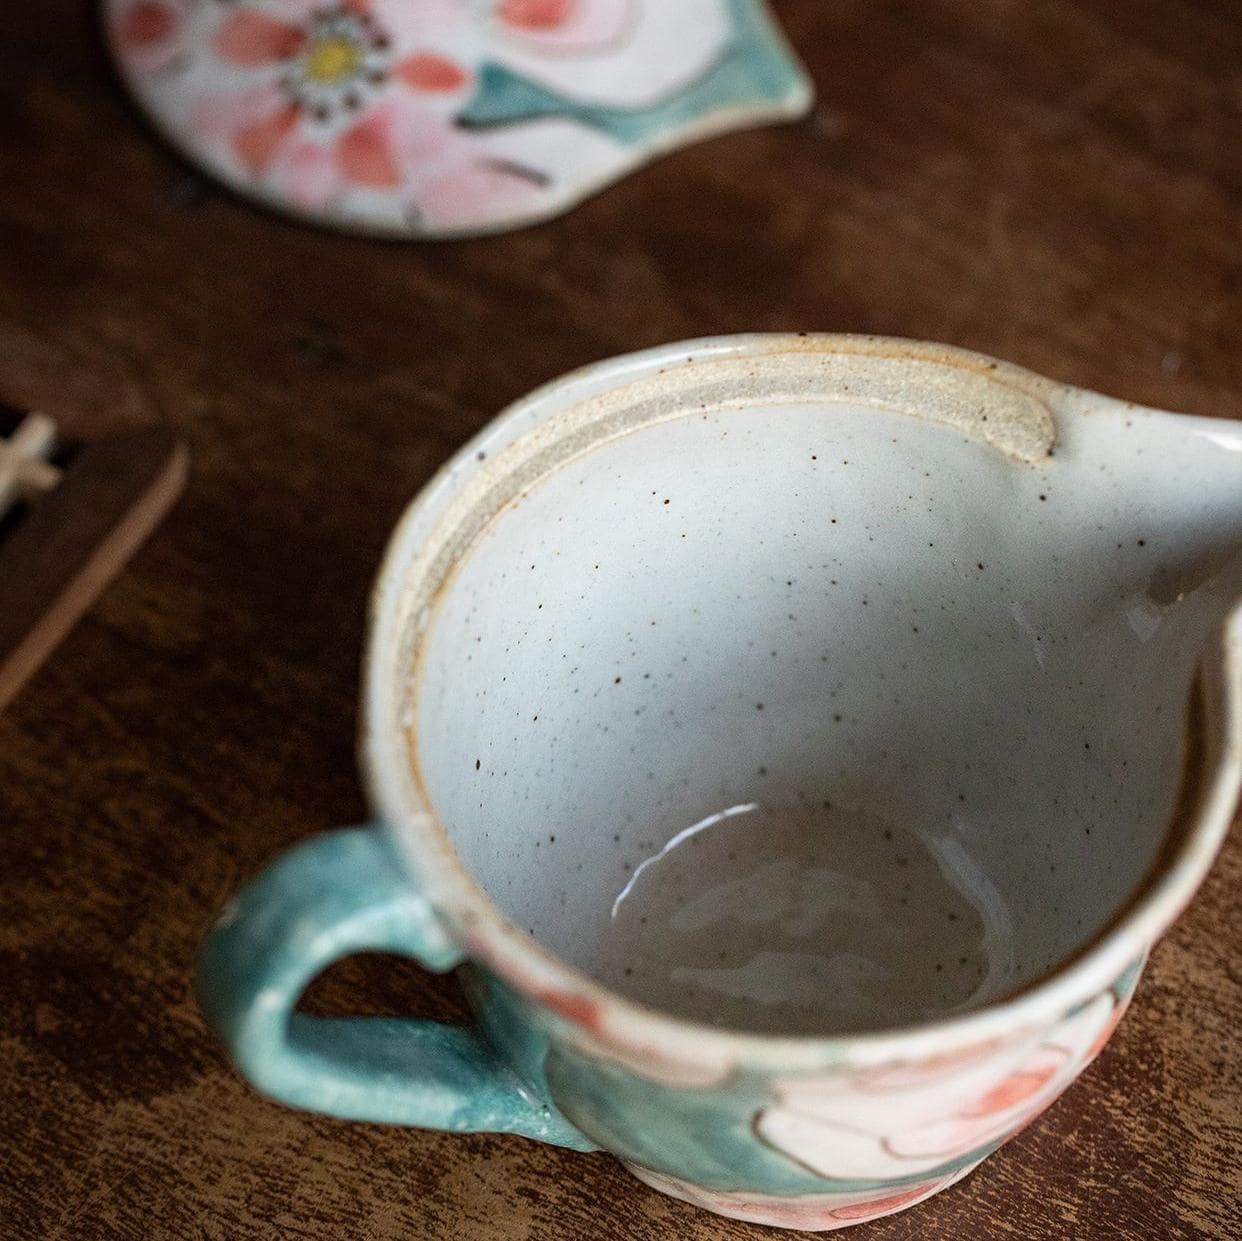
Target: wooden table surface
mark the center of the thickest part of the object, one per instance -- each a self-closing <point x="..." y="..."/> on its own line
<point x="1055" y="183"/>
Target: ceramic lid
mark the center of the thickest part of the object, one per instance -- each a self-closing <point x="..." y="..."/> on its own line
<point x="432" y="118"/>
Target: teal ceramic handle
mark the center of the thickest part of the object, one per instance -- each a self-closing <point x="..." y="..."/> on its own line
<point x="337" y="894"/>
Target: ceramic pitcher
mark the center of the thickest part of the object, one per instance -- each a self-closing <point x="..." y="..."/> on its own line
<point x="851" y="575"/>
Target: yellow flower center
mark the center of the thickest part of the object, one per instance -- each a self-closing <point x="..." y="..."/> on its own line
<point x="331" y="60"/>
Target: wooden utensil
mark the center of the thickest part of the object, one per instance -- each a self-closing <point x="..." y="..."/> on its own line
<point x="70" y="518"/>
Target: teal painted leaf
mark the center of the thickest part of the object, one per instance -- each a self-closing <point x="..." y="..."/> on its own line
<point x="755" y="70"/>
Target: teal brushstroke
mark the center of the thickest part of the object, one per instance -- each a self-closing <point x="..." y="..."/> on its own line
<point x="756" y="69"/>
<point x="1123" y="988"/>
<point x="336" y="894"/>
<point x="703" y="1134"/>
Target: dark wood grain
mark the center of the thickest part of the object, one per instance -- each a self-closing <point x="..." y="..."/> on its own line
<point x="65" y="548"/>
<point x="1056" y="183"/>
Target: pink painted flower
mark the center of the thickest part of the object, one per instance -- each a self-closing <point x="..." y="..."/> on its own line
<point x="359" y="111"/>
<point x="905" y="1120"/>
<point x="311" y="102"/>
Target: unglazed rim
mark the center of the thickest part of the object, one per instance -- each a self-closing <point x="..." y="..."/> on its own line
<point x="1030" y="409"/>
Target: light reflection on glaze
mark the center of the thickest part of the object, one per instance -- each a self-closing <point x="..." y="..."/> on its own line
<point x="680" y="838"/>
<point x="806" y="920"/>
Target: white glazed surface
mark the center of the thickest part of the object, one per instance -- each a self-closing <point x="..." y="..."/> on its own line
<point x="1029" y="713"/>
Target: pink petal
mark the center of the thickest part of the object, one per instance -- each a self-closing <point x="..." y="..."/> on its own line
<point x="146" y="22"/>
<point x="427" y="71"/>
<point x="148" y="35"/>
<point x="1020" y="1087"/>
<point x="536" y="14"/>
<point x="418" y="136"/>
<point x="365" y="154"/>
<point x="307" y="174"/>
<point x="257" y="144"/>
<point x="244" y="126"/>
<point x="250" y="38"/>
<point x="218" y="117"/>
<point x="474" y="194"/>
<point x="567" y="24"/>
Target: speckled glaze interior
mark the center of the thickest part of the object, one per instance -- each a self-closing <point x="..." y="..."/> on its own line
<point x="964" y="597"/>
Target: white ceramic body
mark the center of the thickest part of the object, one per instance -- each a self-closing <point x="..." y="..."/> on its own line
<point x="1005" y="587"/>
